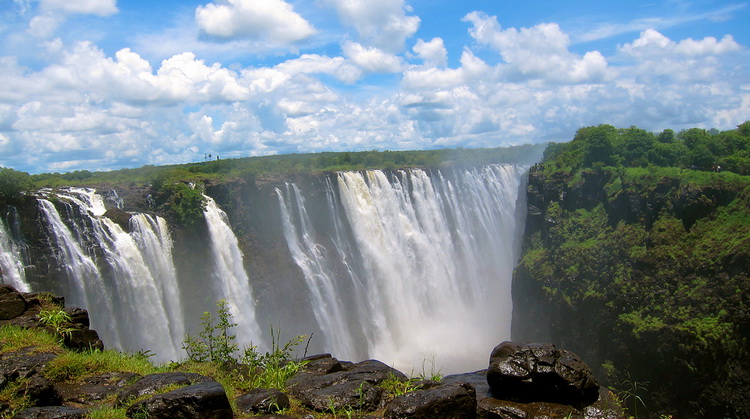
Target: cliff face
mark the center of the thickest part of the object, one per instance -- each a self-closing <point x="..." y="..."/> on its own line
<point x="644" y="272"/>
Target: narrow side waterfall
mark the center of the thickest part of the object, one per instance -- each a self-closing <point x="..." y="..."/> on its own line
<point x="416" y="267"/>
<point x="117" y="279"/>
<point x="151" y="235"/>
<point x="11" y="261"/>
<point x="229" y="274"/>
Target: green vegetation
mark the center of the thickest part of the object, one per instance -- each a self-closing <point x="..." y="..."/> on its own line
<point x="57" y="319"/>
<point x="14" y="184"/>
<point x="177" y="189"/>
<point x="14" y="338"/>
<point x="73" y="366"/>
<point x="213" y="353"/>
<point x="215" y="345"/>
<point x="249" y="168"/>
<point x="643" y="245"/>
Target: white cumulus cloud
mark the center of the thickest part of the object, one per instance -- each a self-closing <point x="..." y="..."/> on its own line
<point x="274" y="21"/>
<point x="432" y="53"/>
<point x="384" y="24"/>
<point x="538" y="52"/>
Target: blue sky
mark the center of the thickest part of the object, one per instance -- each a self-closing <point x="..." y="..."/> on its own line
<point x="107" y="84"/>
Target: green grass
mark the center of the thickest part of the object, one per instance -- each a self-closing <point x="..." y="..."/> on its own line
<point x="76" y="365"/>
<point x="13" y="338"/>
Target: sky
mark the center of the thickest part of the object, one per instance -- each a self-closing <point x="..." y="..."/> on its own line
<point x="107" y="84"/>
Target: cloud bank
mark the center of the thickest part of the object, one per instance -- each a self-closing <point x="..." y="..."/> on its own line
<point x="385" y="88"/>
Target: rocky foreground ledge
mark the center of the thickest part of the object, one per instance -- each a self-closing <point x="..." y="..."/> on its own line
<point x="521" y="381"/>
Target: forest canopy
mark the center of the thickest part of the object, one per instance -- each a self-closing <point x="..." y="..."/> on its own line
<point x="695" y="148"/>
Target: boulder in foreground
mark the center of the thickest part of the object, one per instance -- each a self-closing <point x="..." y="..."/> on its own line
<point x="539" y="372"/>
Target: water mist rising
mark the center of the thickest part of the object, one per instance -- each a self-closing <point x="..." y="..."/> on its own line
<point x="411" y="265"/>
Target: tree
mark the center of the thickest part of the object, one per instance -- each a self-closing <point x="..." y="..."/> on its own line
<point x="666" y="136"/>
<point x="597" y="144"/>
<point x="13" y="184"/>
<point x="635" y="145"/>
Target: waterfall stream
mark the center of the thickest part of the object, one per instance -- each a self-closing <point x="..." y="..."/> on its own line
<point x="133" y="302"/>
<point x="428" y="270"/>
<point x="405" y="266"/>
<point x="11" y="261"/>
<point x="229" y="274"/>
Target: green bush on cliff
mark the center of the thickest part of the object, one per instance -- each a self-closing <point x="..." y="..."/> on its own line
<point x="13" y="184"/>
<point x="184" y="202"/>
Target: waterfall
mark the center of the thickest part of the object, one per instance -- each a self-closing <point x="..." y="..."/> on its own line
<point x="11" y="262"/>
<point x="421" y="269"/>
<point x="317" y="268"/>
<point x="229" y="274"/>
<point x="128" y="289"/>
<point x="151" y="235"/>
<point x="401" y="266"/>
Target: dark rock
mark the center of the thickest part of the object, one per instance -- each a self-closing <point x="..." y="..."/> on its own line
<point x="51" y="412"/>
<point x="205" y="400"/>
<point x="152" y="383"/>
<point x="24" y="363"/>
<point x="321" y="364"/>
<point x="477" y="379"/>
<point x="353" y="387"/>
<point x="262" y="400"/>
<point x="40" y="391"/>
<point x="119" y="216"/>
<point x="372" y="371"/>
<point x="428" y="384"/>
<point x="38" y="299"/>
<point x="360" y="395"/>
<point x="91" y="391"/>
<point x="490" y="408"/>
<point x="78" y="316"/>
<point x="502" y="409"/>
<point x="12" y="304"/>
<point x="83" y="339"/>
<point x="447" y="401"/>
<point x="540" y="372"/>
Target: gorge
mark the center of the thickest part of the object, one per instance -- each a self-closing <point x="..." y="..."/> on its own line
<point x="403" y="266"/>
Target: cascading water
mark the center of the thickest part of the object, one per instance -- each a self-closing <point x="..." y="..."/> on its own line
<point x="11" y="261"/>
<point x="396" y="266"/>
<point x="229" y="274"/>
<point x="151" y="235"/>
<point x="422" y="267"/>
<point x="145" y="311"/>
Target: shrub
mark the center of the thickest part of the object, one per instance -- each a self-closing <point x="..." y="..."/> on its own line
<point x="13" y="184"/>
